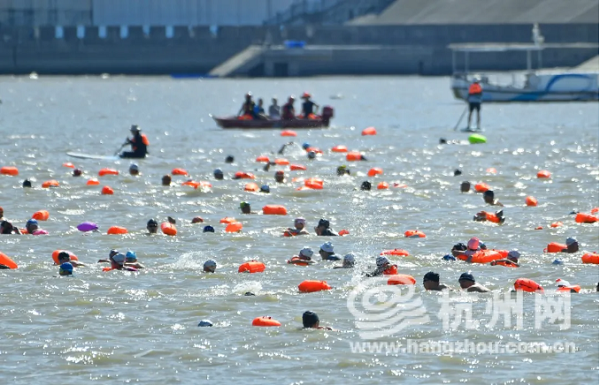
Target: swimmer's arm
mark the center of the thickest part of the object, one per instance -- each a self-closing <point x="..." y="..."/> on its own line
<point x="303" y="232"/>
<point x="103" y="261"/>
<point x="137" y="265"/>
<point x="477" y="289"/>
<point x="77" y="264"/>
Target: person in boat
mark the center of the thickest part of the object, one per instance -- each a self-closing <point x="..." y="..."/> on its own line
<point x="299" y="224"/>
<point x="139" y="144"/>
<point x="288" y="112"/>
<point x="259" y="111"/>
<point x="274" y="110"/>
<point x="474" y="100"/>
<point x="308" y="106"/>
<point x="248" y="106"/>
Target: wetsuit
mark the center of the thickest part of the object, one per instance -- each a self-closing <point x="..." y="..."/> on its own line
<point x="139" y="145"/>
<point x="328" y="233"/>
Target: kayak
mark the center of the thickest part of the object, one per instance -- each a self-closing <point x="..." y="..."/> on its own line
<point x="234" y="122"/>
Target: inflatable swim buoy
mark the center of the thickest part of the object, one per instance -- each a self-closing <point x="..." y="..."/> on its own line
<point x="6" y="261"/>
<point x="87" y="226"/>
<point x="369" y="131"/>
<point x="296" y="260"/>
<point x="178" y="171"/>
<point x="491" y="170"/>
<point x="482" y="187"/>
<point x="477" y="138"/>
<point x="314" y="183"/>
<point x="595" y="210"/>
<point x="93" y="182"/>
<point x="56" y="252"/>
<point x="288" y="133"/>
<point x="392" y="270"/>
<point x="339" y="148"/>
<point x="343" y="232"/>
<point x="353" y="156"/>
<point x="234" y="227"/>
<point x="9" y="170"/>
<point x="397" y="252"/>
<point x="556" y="224"/>
<point x="50" y="183"/>
<point x="590" y="258"/>
<point x="265" y="322"/>
<point x="375" y="171"/>
<point x="531" y="201"/>
<point x="585" y="218"/>
<point x="108" y="171"/>
<point x="282" y="162"/>
<point x="274" y="210"/>
<point x="41" y="215"/>
<point x="263" y="159"/>
<point x="401" y="279"/>
<point x="543" y="174"/>
<point x="313" y="286"/>
<point x="168" y="228"/>
<point x="383" y="186"/>
<point x="251" y="267"/>
<point x="414" y="234"/>
<point x="68" y="165"/>
<point x="482" y="256"/>
<point x="252" y="187"/>
<point x="228" y="220"/>
<point x="555" y="247"/>
<point x="314" y="149"/>
<point x="297" y="167"/>
<point x="191" y="183"/>
<point x="528" y="285"/>
<point x="505" y="263"/>
<point x="569" y="289"/>
<point x="243" y="175"/>
<point x="116" y="230"/>
<point x="106" y="190"/>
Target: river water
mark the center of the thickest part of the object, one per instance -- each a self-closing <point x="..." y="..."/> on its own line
<point x="142" y="327"/>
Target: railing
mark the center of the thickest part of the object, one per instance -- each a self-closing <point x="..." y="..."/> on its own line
<point x="302" y="9"/>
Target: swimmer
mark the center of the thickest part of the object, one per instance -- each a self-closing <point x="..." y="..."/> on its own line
<point x="197" y="220"/>
<point x="326" y="252"/>
<point x="467" y="282"/>
<point x="117" y="262"/>
<point x="323" y="229"/>
<point x="561" y="283"/>
<point x="131" y="260"/>
<point x="246" y="209"/>
<point x="282" y="149"/>
<point x="265" y="189"/>
<point x="218" y="174"/>
<point x="347" y="262"/>
<point x="65" y="269"/>
<point x="382" y="265"/>
<point x="458" y="249"/>
<point x="210" y="266"/>
<point x="310" y="320"/>
<point x="152" y="226"/>
<point x="208" y="229"/>
<point x="171" y="220"/>
<point x="77" y="172"/>
<point x="512" y="259"/>
<point x="497" y="217"/>
<point x="33" y="228"/>
<point x="298" y="229"/>
<point x="343" y="170"/>
<point x="431" y="281"/>
<point x="229" y="159"/>
<point x="64" y="257"/>
<point x="488" y="197"/>
<point x="111" y="254"/>
<point x="26" y="183"/>
<point x="7" y="228"/>
<point x="304" y="257"/>
<point x="166" y="180"/>
<point x="365" y="186"/>
<point x="311" y="155"/>
<point x="457" y="172"/>
<point x="280" y="177"/>
<point x="473" y="246"/>
<point x="134" y="170"/>
<point x="572" y="245"/>
<point x="465" y="187"/>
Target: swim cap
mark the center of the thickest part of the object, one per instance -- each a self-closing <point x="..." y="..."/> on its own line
<point x="31" y="222"/>
<point x="77" y="172"/>
<point x="264" y="188"/>
<point x="570" y="241"/>
<point x="244" y="204"/>
<point x="382" y="261"/>
<point x="557" y="262"/>
<point x="118" y="258"/>
<point x="349" y="259"/>
<point x="229" y="159"/>
<point x="279" y="173"/>
<point x="26" y="183"/>
<point x="431" y="276"/>
<point x="514" y="254"/>
<point x="457" y="172"/>
<point x="473" y="243"/>
<point x="449" y="257"/>
<point x="218" y="172"/>
<point x="210" y="265"/>
<point x="300" y="220"/>
<point x="197" y="220"/>
<point x="208" y="229"/>
<point x="113" y="252"/>
<point x="63" y="255"/>
<point x="152" y="223"/>
<point x="560" y="282"/>
<point x="327" y="247"/>
<point x="366" y="185"/>
<point x="324" y="223"/>
<point x="466" y="277"/>
<point x="306" y="252"/>
<point x="134" y="167"/>
<point x="66" y="269"/>
<point x="309" y="319"/>
<point x="205" y="323"/>
<point x="488" y="193"/>
<point x="305" y="145"/>
<point x="312" y="155"/>
<point x="130" y="256"/>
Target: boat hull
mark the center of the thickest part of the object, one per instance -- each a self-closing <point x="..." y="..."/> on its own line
<point x="233" y="122"/>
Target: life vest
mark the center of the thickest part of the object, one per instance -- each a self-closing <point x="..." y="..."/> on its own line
<point x="475" y="89"/>
<point x="145" y="141"/>
<point x="248" y="108"/>
<point x="298" y="261"/>
<point x="392" y="270"/>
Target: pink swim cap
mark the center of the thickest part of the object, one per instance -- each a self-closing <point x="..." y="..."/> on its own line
<point x="473" y="243"/>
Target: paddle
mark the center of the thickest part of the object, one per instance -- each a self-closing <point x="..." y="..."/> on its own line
<point x="461" y="117"/>
<point x="120" y="148"/>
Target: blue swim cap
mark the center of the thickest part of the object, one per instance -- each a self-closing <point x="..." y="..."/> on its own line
<point x="205" y="323"/>
<point x="32" y="222"/>
<point x="66" y="268"/>
<point x="449" y="257"/>
<point x="130" y="256"/>
<point x="209" y="229"/>
<point x="557" y="262"/>
<point x="265" y="188"/>
<point x="305" y="145"/>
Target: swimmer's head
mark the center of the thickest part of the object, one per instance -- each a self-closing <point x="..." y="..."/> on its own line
<point x="112" y="253"/>
<point x="449" y="257"/>
<point x="431" y="280"/>
<point x="26" y="183"/>
<point x="118" y="259"/>
<point x="343" y="170"/>
<point x="488" y="197"/>
<point x="130" y="256"/>
<point x="245" y="207"/>
<point x="382" y="262"/>
<point x="305" y="145"/>
<point x="465" y="186"/>
<point x="31" y="225"/>
<point x="197" y="220"/>
<point x="265" y="189"/>
<point x="77" y="172"/>
<point x="562" y="283"/>
<point x="466" y="279"/>
<point x="299" y="223"/>
<point x="229" y="159"/>
<point x="63" y="257"/>
<point x="205" y="323"/>
<point x="457" y="172"/>
<point x="166" y="180"/>
<point x="152" y="226"/>
<point x="311" y="155"/>
<point x="65" y="269"/>
<point x="513" y="255"/>
<point x="310" y="319"/>
<point x="218" y="174"/>
<point x="327" y="247"/>
<point x="365" y="186"/>
<point x="210" y="266"/>
<point x="348" y="260"/>
<point x="306" y="253"/>
<point x="134" y="169"/>
<point x="279" y="176"/>
<point x="208" y="229"/>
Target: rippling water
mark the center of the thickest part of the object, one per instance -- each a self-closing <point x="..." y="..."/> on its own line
<point x="106" y="327"/>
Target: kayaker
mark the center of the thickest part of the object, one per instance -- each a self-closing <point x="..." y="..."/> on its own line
<point x="308" y="106"/>
<point x="248" y="106"/>
<point x="274" y="110"/>
<point x="474" y="99"/>
<point x="139" y="144"/>
<point x="288" y="112"/>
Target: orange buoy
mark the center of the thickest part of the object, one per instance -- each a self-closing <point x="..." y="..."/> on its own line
<point x="178" y="171"/>
<point x="383" y="186"/>
<point x="106" y="190"/>
<point x="343" y="232"/>
<point x="252" y="187"/>
<point x="339" y="148"/>
<point x="263" y="159"/>
<point x="234" y="227"/>
<point x="539" y="228"/>
<point x="191" y="183"/>
<point x="491" y="170"/>
<point x="93" y="182"/>
<point x="297" y="167"/>
<point x="392" y="270"/>
<point x="108" y="171"/>
<point x="288" y="133"/>
<point x="569" y="289"/>
<point x="56" y="252"/>
<point x="168" y="228"/>
<point x="353" y="156"/>
<point x="555" y="247"/>
<point x="116" y="230"/>
<point x="481" y="187"/>
<point x="556" y="224"/>
<point x="251" y="267"/>
<point x="369" y="131"/>
<point x="528" y="285"/>
<point x="401" y="279"/>
<point x="50" y="183"/>
<point x="505" y="263"/>
<point x="314" y="149"/>
<point x="313" y="286"/>
<point x="585" y="218"/>
<point x="543" y="174"/>
<point x="483" y="256"/>
<point x="265" y="322"/>
<point x="375" y="171"/>
<point x="228" y="220"/>
<point x="243" y="175"/>
<point x="590" y="258"/>
<point x="274" y="210"/>
<point x="314" y="183"/>
<point x="6" y="261"/>
<point x="68" y="165"/>
<point x="414" y="234"/>
<point x="41" y="215"/>
<point x="595" y="210"/>
<point x="9" y="170"/>
<point x="282" y="162"/>
<point x="397" y="252"/>
<point x="531" y="201"/>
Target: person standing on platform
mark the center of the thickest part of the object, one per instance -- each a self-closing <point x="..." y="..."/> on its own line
<point x="474" y="100"/>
